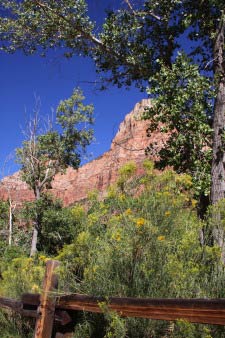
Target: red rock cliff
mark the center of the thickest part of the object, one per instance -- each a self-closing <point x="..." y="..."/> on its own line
<point x="128" y="145"/>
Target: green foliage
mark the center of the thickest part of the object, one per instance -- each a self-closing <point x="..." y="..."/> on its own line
<point x="116" y="325"/>
<point x="4" y="215"/>
<point x="182" y="109"/>
<point x="125" y="173"/>
<point x="47" y="24"/>
<point x="44" y="155"/>
<point x="184" y="329"/>
<point x="129" y="43"/>
<point x="83" y="330"/>
<point x="74" y="118"/>
<point x="216" y="226"/>
<point x="21" y="275"/>
<point x="13" y="325"/>
<point x="143" y="246"/>
<point x="218" y="208"/>
<point x="22" y="235"/>
<point x="57" y="225"/>
<point x="8" y="253"/>
<point x="4" y="221"/>
<point x="140" y="241"/>
<point x="138" y="43"/>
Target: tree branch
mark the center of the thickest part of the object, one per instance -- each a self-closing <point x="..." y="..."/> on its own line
<point x="142" y="12"/>
<point x="50" y="172"/>
<point x="88" y="36"/>
<point x="130" y="6"/>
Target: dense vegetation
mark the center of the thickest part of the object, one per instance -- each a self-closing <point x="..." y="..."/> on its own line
<point x="142" y="240"/>
<point x="47" y="151"/>
<point x="148" y="228"/>
<point x="140" y="42"/>
<point x="173" y="49"/>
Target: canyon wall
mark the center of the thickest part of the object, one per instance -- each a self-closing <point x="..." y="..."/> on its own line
<point x="128" y="145"/>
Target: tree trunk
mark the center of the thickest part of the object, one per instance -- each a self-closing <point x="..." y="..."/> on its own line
<point x="10" y="221"/>
<point x="218" y="169"/>
<point x="33" y="249"/>
<point x="218" y="172"/>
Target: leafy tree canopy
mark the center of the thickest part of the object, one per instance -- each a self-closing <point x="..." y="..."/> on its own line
<point x="4" y="214"/>
<point x="57" y="226"/>
<point x="44" y="154"/>
<point x="131" y="40"/>
<point x="182" y="109"/>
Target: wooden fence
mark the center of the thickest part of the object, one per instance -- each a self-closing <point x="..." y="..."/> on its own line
<point x="50" y="309"/>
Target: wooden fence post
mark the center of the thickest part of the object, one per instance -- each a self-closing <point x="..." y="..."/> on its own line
<point x="46" y="310"/>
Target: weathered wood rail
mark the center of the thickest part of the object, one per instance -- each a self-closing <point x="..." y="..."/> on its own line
<point x="49" y="308"/>
<point x="208" y="311"/>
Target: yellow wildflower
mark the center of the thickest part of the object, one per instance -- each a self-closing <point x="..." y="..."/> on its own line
<point x="161" y="238"/>
<point x="140" y="222"/>
<point x="193" y="203"/>
<point x="167" y="213"/>
<point x="185" y="180"/>
<point x="42" y="258"/>
<point x="95" y="268"/>
<point x="122" y="197"/>
<point x="112" y="193"/>
<point x="128" y="211"/>
<point x="117" y="236"/>
<point x="35" y="288"/>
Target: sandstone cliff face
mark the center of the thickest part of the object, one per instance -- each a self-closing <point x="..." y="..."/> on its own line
<point x="128" y="145"/>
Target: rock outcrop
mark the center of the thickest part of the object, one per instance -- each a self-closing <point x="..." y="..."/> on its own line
<point x="128" y="145"/>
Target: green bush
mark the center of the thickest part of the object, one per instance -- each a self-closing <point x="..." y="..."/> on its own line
<point x="142" y="240"/>
<point x="143" y="245"/>
<point x="15" y="326"/>
<point x="57" y="225"/>
<point x="19" y="274"/>
<point x="22" y="275"/>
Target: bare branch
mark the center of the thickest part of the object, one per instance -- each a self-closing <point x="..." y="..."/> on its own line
<point x="142" y="13"/>
<point x="130" y="6"/>
<point x="210" y="61"/>
<point x="155" y="16"/>
<point x="49" y="174"/>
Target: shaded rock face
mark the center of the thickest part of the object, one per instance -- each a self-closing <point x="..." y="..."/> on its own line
<point x="128" y="145"/>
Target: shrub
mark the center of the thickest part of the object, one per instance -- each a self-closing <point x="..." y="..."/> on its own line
<point x="146" y="245"/>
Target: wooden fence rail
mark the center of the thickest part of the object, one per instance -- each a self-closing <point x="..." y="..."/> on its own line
<point x="48" y="307"/>
<point x="208" y="311"/>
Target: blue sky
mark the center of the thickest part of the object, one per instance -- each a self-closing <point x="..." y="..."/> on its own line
<point x="52" y="79"/>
